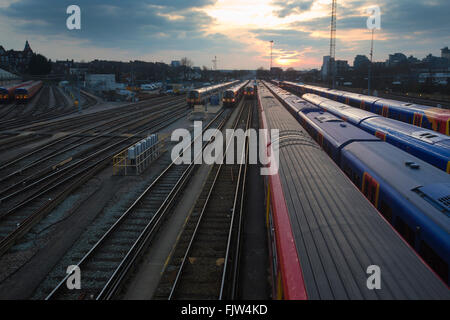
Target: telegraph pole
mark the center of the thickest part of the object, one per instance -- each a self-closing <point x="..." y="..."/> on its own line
<point x="370" y="66"/>
<point x="333" y="43"/>
<point x="271" y="47"/>
<point x="215" y="63"/>
<point x="80" y="108"/>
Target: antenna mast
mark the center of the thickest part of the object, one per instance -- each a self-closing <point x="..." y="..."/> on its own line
<point x="333" y="44"/>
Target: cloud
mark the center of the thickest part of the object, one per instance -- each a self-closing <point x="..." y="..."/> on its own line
<point x="117" y="24"/>
<point x="204" y="28"/>
<point x="290" y="7"/>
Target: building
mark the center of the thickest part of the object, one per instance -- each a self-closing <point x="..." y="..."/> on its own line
<point x="439" y="78"/>
<point x="413" y="60"/>
<point x="325" y="70"/>
<point x="341" y="67"/>
<point x="445" y="53"/>
<point x="360" y="62"/>
<point x="16" y="61"/>
<point x="436" y="63"/>
<point x="396" y="59"/>
<point x="6" y="76"/>
<point x="175" y="63"/>
<point x="101" y="82"/>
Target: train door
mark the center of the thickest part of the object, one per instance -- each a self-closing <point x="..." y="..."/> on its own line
<point x="417" y="120"/>
<point x="362" y="105"/>
<point x="371" y="188"/>
<point x="385" y="111"/>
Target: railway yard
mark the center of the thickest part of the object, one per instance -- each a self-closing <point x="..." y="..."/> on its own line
<point x="102" y="191"/>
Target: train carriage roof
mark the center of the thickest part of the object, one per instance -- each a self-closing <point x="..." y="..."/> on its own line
<point x="336" y="231"/>
<point x="351" y="114"/>
<point x="398" y="170"/>
<point x="337" y="130"/>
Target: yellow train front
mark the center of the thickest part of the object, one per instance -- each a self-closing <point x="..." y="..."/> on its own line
<point x="201" y="96"/>
<point x="233" y="95"/>
<point x="249" y="92"/>
<point x="25" y="93"/>
<point x="193" y="98"/>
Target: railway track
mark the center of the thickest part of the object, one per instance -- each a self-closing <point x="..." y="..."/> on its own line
<point x="42" y="130"/>
<point x="63" y="148"/>
<point x="51" y="105"/>
<point x="19" y="178"/>
<point x="67" y="124"/>
<point x="107" y="264"/>
<point x="205" y="262"/>
<point x="24" y="206"/>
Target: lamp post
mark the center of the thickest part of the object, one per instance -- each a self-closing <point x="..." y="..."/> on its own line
<point x="271" y="46"/>
<point x="369" y="81"/>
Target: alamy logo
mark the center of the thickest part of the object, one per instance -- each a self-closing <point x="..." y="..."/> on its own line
<point x="74" y="279"/>
<point x="374" y="19"/>
<point x="267" y="153"/>
<point x="374" y="280"/>
<point x="74" y="20"/>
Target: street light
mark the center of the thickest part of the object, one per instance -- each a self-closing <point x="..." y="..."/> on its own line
<point x="271" y="46"/>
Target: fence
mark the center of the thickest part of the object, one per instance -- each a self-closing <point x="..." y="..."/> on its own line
<point x="135" y="159"/>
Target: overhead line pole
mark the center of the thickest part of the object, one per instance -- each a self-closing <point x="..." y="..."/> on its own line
<point x="333" y="43"/>
<point x="369" y="81"/>
<point x="271" y="46"/>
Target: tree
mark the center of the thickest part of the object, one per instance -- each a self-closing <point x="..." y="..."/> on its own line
<point x="262" y="73"/>
<point x="39" y="65"/>
<point x="186" y="65"/>
<point x="290" y="74"/>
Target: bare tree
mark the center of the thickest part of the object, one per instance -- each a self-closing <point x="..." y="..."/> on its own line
<point x="186" y="65"/>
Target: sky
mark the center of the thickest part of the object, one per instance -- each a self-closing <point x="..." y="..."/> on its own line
<point x="238" y="32"/>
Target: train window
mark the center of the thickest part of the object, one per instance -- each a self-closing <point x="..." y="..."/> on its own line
<point x="434" y="261"/>
<point x="406" y="232"/>
<point x="386" y="211"/>
<point x="228" y="94"/>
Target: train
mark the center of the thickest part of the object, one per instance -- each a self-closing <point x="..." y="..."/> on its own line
<point x="427" y="117"/>
<point x="249" y="91"/>
<point x="232" y="96"/>
<point x="428" y="145"/>
<point x="7" y="92"/>
<point x="323" y="233"/>
<point x="201" y="96"/>
<point x="412" y="195"/>
<point x="25" y="93"/>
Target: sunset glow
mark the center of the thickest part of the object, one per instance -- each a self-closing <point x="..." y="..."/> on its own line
<point x="238" y="32"/>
